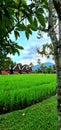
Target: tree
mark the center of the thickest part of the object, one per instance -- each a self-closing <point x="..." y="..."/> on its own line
<point x="57" y="50"/>
<point x="46" y="50"/>
<point x="5" y="62"/>
<point x="31" y="64"/>
<point x="53" y="20"/>
<point x="42" y="68"/>
<point x="7" y="23"/>
<point x="39" y="61"/>
<point x="54" y="26"/>
<point x="13" y="13"/>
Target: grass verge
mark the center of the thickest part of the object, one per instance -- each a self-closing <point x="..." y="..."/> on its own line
<point x="42" y="116"/>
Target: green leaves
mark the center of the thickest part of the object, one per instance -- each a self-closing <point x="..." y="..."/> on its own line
<point x="27" y="34"/>
<point x="45" y="4"/>
<point x="40" y="10"/>
<point x="28" y="31"/>
<point x="18" y="46"/>
<point x="40" y="16"/>
<point x="21" y="27"/>
<point x="16" y="33"/>
<point x="18" y="1"/>
<point x="47" y="50"/>
<point x="14" y="48"/>
<point x="13" y="14"/>
<point x="34" y="25"/>
<point x="41" y="19"/>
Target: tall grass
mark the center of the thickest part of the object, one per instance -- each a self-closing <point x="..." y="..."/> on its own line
<point x="19" y="91"/>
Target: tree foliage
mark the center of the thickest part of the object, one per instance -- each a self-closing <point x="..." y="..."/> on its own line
<point x="5" y="62"/>
<point x="13" y="14"/>
<point x="47" y="50"/>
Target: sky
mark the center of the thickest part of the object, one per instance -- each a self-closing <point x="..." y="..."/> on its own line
<point x="29" y="54"/>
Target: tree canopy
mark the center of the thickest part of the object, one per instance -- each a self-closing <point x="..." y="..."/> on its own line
<point x="15" y="16"/>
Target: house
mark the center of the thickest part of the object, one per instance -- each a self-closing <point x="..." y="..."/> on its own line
<point x="26" y="69"/>
<point x="5" y="71"/>
<point x="20" y="69"/>
<point x="17" y="69"/>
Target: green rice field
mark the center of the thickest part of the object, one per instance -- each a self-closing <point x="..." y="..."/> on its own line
<point x="19" y="91"/>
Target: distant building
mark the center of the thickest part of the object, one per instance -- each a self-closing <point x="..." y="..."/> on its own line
<point x="26" y="69"/>
<point x="20" y="69"/>
<point x="14" y="69"/>
<point x="5" y="71"/>
<point x="17" y="69"/>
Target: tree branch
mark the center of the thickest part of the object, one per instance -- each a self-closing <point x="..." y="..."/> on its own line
<point x="57" y="5"/>
<point x="9" y="31"/>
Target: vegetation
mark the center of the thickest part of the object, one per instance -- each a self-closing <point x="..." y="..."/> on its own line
<point x="19" y="91"/>
<point x="47" y="50"/>
<point x="5" y="62"/>
<point x="42" y="116"/>
<point x="44" y="69"/>
<point x="12" y="16"/>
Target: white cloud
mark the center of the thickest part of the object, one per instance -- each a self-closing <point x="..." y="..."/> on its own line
<point x="28" y="61"/>
<point x="34" y="61"/>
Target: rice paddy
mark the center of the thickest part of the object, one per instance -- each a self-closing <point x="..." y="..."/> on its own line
<point x="20" y="91"/>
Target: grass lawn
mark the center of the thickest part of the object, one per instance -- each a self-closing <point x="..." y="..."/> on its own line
<point x="42" y="116"/>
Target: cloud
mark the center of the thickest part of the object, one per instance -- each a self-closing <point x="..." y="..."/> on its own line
<point x="30" y="55"/>
<point x="28" y="61"/>
<point x="30" y="52"/>
<point x="34" y="61"/>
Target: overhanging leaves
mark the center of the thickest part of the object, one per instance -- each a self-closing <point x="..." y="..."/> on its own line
<point x="41" y="19"/>
<point x="12" y="15"/>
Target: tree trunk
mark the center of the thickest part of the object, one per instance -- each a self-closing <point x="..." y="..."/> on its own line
<point x="57" y="54"/>
<point x="59" y="79"/>
<point x="58" y="92"/>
